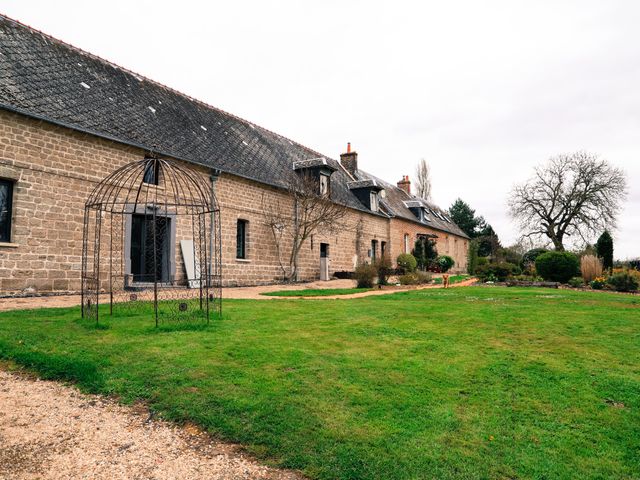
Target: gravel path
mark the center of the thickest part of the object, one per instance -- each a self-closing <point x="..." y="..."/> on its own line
<point x="253" y="293"/>
<point x="52" y="431"/>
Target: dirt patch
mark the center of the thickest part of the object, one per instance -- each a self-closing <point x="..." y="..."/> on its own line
<point x="48" y="430"/>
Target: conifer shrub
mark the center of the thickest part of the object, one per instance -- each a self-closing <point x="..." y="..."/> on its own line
<point x="445" y="262"/>
<point x="558" y="266"/>
<point x="407" y="262"/>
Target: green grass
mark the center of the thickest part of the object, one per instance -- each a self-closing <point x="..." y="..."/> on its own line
<point x="316" y="292"/>
<point x="452" y="279"/>
<point x="461" y="383"/>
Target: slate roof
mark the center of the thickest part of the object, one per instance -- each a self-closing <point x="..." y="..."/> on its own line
<point x="45" y="78"/>
<point x="397" y="203"/>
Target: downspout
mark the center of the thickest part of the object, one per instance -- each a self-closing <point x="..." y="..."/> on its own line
<point x="215" y="174"/>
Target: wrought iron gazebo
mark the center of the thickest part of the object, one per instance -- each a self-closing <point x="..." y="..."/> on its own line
<point x="152" y="243"/>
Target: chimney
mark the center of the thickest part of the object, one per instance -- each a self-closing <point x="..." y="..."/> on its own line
<point x="405" y="184"/>
<point x="349" y="161"/>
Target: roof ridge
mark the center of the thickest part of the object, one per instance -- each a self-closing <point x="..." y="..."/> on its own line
<point x="155" y="82"/>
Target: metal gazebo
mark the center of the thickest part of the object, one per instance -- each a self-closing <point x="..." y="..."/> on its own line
<point x="152" y="244"/>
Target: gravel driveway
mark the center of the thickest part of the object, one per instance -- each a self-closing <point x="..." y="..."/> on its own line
<point x="48" y="430"/>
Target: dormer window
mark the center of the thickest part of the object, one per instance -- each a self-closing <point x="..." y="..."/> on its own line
<point x="368" y="192"/>
<point x="317" y="169"/>
<point x="418" y="209"/>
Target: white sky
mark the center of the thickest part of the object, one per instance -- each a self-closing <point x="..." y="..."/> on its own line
<point x="482" y="90"/>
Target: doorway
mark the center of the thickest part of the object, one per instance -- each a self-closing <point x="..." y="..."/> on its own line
<point x="324" y="261"/>
<point x="149" y="264"/>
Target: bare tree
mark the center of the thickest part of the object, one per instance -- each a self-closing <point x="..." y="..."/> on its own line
<point x="423" y="180"/>
<point x="576" y="194"/>
<point x="294" y="219"/>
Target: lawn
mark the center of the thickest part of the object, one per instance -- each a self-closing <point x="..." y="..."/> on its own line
<point x="462" y="383"/>
<point x="316" y="292"/>
<point x="452" y="279"/>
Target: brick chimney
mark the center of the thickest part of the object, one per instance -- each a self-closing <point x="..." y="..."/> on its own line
<point x="349" y="161"/>
<point x="405" y="184"/>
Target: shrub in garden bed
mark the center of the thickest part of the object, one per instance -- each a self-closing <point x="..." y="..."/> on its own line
<point x="415" y="278"/>
<point x="383" y="269"/>
<point x="497" y="271"/>
<point x="406" y="262"/>
<point x="623" y="282"/>
<point x="557" y="266"/>
<point x="577" y="282"/>
<point x="598" y="283"/>
<point x="445" y="262"/>
<point x="365" y="274"/>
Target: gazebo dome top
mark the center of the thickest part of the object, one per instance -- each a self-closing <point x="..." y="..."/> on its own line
<point x="154" y="182"/>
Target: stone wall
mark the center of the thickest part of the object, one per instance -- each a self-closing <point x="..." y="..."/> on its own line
<point x="446" y="243"/>
<point x="55" y="169"/>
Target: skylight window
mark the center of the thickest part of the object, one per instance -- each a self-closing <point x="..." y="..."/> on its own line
<point x="203" y="128"/>
<point x="85" y="85"/>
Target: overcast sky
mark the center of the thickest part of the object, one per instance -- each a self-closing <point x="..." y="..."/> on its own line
<point x="482" y="90"/>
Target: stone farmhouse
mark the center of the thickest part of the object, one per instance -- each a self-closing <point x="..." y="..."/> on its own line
<point x="69" y="118"/>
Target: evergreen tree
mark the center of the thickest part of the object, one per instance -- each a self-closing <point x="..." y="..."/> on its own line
<point x="425" y="251"/>
<point x="418" y="252"/>
<point x="488" y="241"/>
<point x="604" y="249"/>
<point x="464" y="216"/>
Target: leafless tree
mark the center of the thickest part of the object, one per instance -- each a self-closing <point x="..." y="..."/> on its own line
<point x="575" y="194"/>
<point x="292" y="220"/>
<point x="423" y="180"/>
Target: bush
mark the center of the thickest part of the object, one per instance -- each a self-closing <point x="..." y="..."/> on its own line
<point x="591" y="267"/>
<point x="497" y="271"/>
<point x="383" y="269"/>
<point x="445" y="262"/>
<point x="623" y="282"/>
<point x="530" y="257"/>
<point x="576" y="282"/>
<point x="598" y="283"/>
<point x="527" y="278"/>
<point x="365" y="274"/>
<point x="407" y="262"/>
<point x="509" y="255"/>
<point x="415" y="278"/>
<point x="557" y="266"/>
<point x="482" y="261"/>
<point x="504" y="270"/>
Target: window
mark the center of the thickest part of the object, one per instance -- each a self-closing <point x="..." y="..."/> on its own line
<point x="241" y="239"/>
<point x="151" y="172"/>
<point x="373" y="201"/>
<point x="383" y="248"/>
<point x="374" y="250"/>
<point x="406" y="243"/>
<point x="324" y="184"/>
<point x="6" y="200"/>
